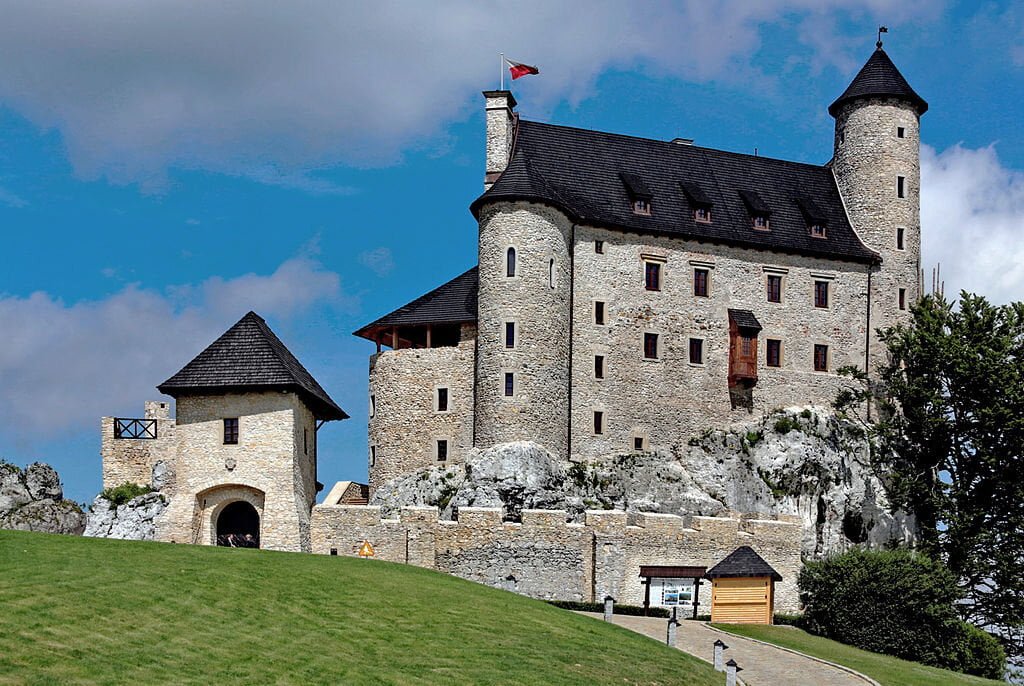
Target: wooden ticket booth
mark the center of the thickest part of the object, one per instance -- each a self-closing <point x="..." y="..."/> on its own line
<point x="743" y="588"/>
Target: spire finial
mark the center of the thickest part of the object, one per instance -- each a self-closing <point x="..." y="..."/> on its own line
<point x="881" y="30"/>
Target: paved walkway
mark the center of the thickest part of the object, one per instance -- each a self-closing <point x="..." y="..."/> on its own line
<point x="763" y="665"/>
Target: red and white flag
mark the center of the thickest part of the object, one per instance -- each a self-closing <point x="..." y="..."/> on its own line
<point x="519" y="69"/>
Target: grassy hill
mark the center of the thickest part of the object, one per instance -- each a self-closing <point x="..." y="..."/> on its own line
<point x="75" y="610"/>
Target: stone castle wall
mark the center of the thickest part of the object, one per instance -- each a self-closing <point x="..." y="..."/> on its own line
<point x="545" y="557"/>
<point x="131" y="460"/>
<point x="405" y="423"/>
<point x="868" y="158"/>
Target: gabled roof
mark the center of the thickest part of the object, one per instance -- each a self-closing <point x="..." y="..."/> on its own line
<point x="743" y="562"/>
<point x="745" y="319"/>
<point x="451" y="303"/>
<point x="879" y="77"/>
<point x="581" y="173"/>
<point x="247" y="357"/>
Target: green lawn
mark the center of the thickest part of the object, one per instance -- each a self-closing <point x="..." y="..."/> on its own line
<point x="75" y="610"/>
<point x="886" y="670"/>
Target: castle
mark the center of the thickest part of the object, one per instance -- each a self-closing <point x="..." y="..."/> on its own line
<point x="629" y="294"/>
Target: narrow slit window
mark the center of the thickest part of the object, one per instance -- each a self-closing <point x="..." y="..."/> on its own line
<point x="442" y="400"/>
<point x="442" y="450"/>
<point x="638" y="443"/>
<point x="373" y="405"/>
<point x="820" y="358"/>
<point x="903" y="298"/>
<point x="651" y="346"/>
<point x="821" y="293"/>
<point x="773" y="352"/>
<point x="510" y="334"/>
<point x="652" y="276"/>
<point x="900" y="236"/>
<point x="598" y="312"/>
<point x="305" y="441"/>
<point x="901" y="190"/>
<point x="551" y="273"/>
<point x="231" y="431"/>
<point x="510" y="262"/>
<point x="696" y="351"/>
<point x="373" y="455"/>
<point x="900" y="132"/>
<point x="774" y="288"/>
<point x="599" y="247"/>
<point x="598" y="422"/>
<point x="598" y="366"/>
<point x="510" y="384"/>
<point x="700" y="282"/>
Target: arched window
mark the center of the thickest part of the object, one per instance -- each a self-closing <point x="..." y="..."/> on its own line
<point x="510" y="262"/>
<point x="551" y="273"/>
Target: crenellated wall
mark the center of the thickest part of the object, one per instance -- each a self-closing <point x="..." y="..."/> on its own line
<point x="545" y="557"/>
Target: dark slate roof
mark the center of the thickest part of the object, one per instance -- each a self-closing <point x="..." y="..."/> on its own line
<point x="454" y="302"/>
<point x="743" y="562"/>
<point x="879" y="77"/>
<point x="249" y="356"/>
<point x="745" y="319"/>
<point x="672" y="571"/>
<point x="582" y="173"/>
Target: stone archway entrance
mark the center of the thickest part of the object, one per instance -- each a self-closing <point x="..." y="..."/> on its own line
<point x="238" y="526"/>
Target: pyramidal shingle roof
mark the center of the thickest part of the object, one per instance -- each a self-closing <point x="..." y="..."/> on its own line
<point x="451" y="303"/>
<point x="592" y="176"/>
<point x="249" y="356"/>
<point x="879" y="77"/>
<point x="743" y="562"/>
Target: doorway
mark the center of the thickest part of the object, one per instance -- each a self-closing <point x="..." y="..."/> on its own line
<point x="238" y="526"/>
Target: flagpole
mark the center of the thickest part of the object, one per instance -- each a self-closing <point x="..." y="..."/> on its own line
<point x="501" y="71"/>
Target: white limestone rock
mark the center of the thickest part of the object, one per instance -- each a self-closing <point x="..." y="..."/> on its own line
<point x="800" y="461"/>
<point x="33" y="500"/>
<point x="134" y="520"/>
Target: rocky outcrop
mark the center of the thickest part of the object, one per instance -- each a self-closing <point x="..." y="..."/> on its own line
<point x="134" y="520"/>
<point x="33" y="500"/>
<point x="799" y="461"/>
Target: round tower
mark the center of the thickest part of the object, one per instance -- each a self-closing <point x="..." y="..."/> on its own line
<point x="877" y="164"/>
<point x="523" y="312"/>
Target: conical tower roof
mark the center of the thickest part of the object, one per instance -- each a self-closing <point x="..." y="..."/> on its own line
<point x="879" y="78"/>
<point x="250" y="357"/>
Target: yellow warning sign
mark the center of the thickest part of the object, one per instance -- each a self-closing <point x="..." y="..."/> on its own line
<point x="366" y="549"/>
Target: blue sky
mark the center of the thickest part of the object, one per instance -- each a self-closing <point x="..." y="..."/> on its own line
<point x="166" y="167"/>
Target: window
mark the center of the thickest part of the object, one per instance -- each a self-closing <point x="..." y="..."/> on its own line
<point x="442" y="450"/>
<point x="599" y="247"/>
<point x="373" y="455"/>
<point x="598" y="366"/>
<point x="899" y="132"/>
<point x="817" y="230"/>
<point x="903" y="298"/>
<point x="598" y="422"/>
<point x="442" y="399"/>
<point x="773" y="352"/>
<point x="651" y="346"/>
<point x="746" y="346"/>
<point x="551" y="273"/>
<point x="305" y="442"/>
<point x="231" y="431"/>
<point x="702" y="215"/>
<point x="638" y="443"/>
<point x="820" y="358"/>
<point x="774" y="288"/>
<point x="700" y="282"/>
<point x="642" y="207"/>
<point x="652" y="276"/>
<point x="598" y="312"/>
<point x="510" y="384"/>
<point x="901" y="187"/>
<point x="373" y="405"/>
<point x="900" y="232"/>
<point x="510" y="262"/>
<point x="510" y="334"/>
<point x="821" y="293"/>
<point x="696" y="351"/>
<point x="760" y="222"/>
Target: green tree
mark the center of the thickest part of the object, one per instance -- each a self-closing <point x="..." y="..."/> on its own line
<point x="950" y="425"/>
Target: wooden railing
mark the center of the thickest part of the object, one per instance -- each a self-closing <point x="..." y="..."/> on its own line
<point x="134" y="428"/>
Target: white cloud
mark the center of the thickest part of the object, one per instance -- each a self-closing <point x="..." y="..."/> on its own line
<point x="272" y="90"/>
<point x="63" y="365"/>
<point x="378" y="260"/>
<point x="972" y="222"/>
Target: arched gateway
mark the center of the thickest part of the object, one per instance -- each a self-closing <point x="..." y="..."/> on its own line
<point x="238" y="526"/>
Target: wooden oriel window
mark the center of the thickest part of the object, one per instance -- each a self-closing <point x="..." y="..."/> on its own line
<point x="742" y="355"/>
<point x="696" y="351"/>
<point x="442" y="450"/>
<point x="231" y="430"/>
<point x="651" y="346"/>
<point x="510" y="384"/>
<point x="773" y="352"/>
<point x="598" y="366"/>
<point x="821" y="293"/>
<point x="510" y="334"/>
<point x="652" y="276"/>
<point x="598" y="422"/>
<point x="774" y="288"/>
<point x="820" y="358"/>
<point x="598" y="312"/>
<point x="700" y="282"/>
<point x="702" y="214"/>
<point x="510" y="262"/>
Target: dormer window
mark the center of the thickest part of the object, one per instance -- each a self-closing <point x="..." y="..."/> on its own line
<point x="817" y="221"/>
<point x="702" y="215"/>
<point x="817" y="230"/>
<point x="760" y="222"/>
<point x="638" y="192"/>
<point x="699" y="201"/>
<point x="641" y="206"/>
<point x="758" y="209"/>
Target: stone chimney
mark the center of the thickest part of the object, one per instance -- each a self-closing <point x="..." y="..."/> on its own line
<point x="500" y="130"/>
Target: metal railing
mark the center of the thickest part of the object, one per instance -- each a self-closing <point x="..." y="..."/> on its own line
<point x="134" y="428"/>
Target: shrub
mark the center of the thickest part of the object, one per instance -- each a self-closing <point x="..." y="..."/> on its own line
<point x="119" y="495"/>
<point x="784" y="619"/>
<point x="635" y="610"/>
<point x="784" y="425"/>
<point x="894" y="602"/>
